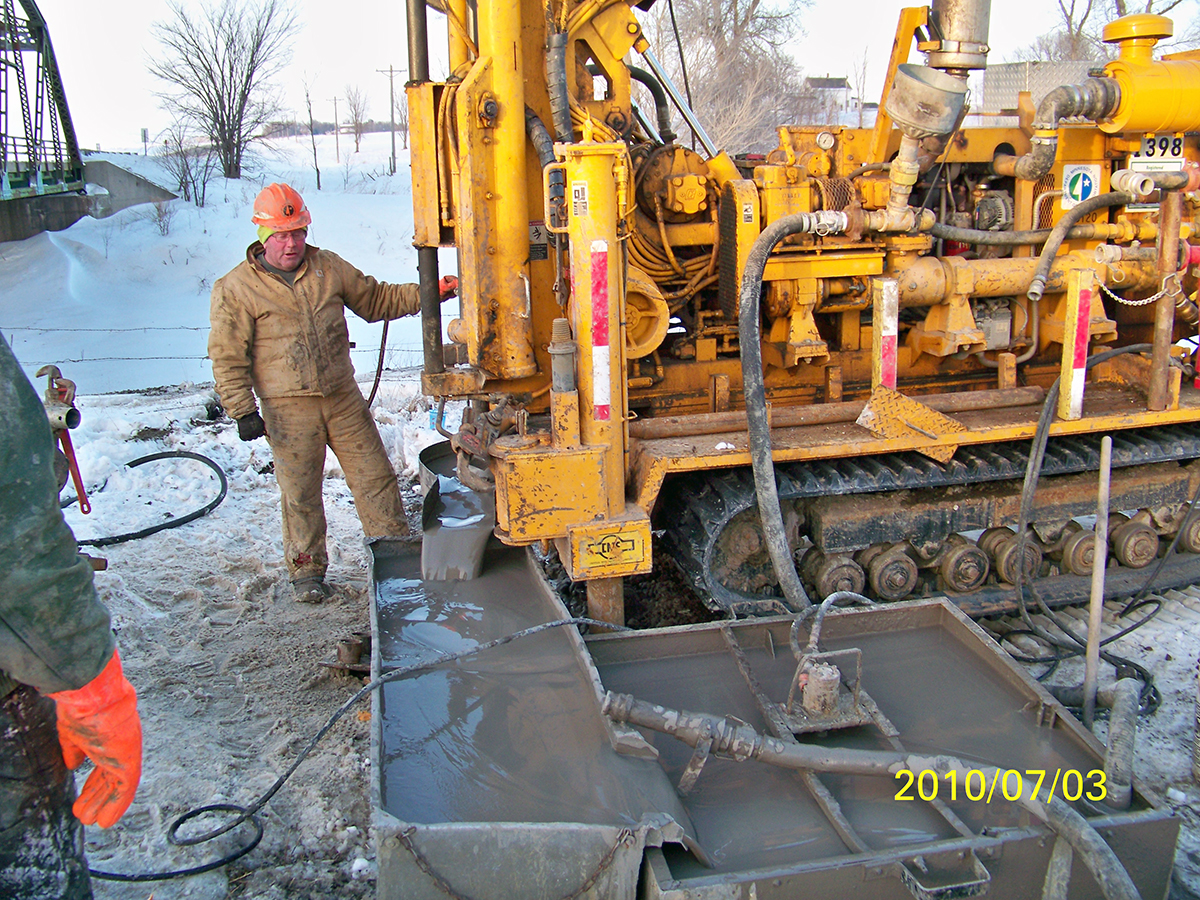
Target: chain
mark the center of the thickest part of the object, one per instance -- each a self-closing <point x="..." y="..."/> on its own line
<point x="623" y="838"/>
<point x="1173" y="291"/>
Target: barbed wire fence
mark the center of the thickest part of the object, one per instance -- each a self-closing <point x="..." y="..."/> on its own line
<point x="397" y="356"/>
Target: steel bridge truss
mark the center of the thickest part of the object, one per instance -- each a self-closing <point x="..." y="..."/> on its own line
<point x="38" y="150"/>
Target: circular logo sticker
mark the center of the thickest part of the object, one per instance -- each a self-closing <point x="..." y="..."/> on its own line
<point x="1079" y="183"/>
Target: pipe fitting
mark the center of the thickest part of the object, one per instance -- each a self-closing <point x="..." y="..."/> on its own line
<point x="562" y="356"/>
<point x="1139" y="183"/>
<point x="1094" y="99"/>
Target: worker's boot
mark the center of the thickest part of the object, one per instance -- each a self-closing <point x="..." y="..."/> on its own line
<point x="311" y="590"/>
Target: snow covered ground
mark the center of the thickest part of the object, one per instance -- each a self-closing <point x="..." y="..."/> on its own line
<point x="226" y="665"/>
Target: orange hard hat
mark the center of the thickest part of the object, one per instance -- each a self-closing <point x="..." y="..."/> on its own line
<point x="280" y="208"/>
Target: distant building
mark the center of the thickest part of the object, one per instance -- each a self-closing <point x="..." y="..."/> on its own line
<point x="831" y="95"/>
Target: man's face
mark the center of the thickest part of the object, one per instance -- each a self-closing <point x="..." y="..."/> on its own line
<point x="285" y="249"/>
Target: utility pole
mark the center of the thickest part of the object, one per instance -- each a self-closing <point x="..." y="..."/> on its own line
<point x="391" y="73"/>
<point x="337" y="150"/>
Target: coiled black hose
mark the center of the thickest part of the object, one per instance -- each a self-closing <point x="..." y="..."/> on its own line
<point x="173" y="523"/>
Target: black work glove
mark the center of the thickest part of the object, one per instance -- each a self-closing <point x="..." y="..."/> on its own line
<point x="251" y="427"/>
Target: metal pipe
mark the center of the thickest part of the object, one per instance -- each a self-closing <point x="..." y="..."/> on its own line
<point x="431" y="310"/>
<point x="962" y="26"/>
<point x="680" y="104"/>
<point x="729" y="737"/>
<point x="427" y="261"/>
<point x="825" y="413"/>
<point x="418" y="41"/>
<point x="928" y="281"/>
<point x="1096" y="601"/>
<point x="1170" y="213"/>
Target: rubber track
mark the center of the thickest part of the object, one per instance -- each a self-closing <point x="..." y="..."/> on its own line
<point x="705" y="504"/>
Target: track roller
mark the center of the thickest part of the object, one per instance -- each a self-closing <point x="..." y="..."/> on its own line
<point x="964" y="567"/>
<point x="891" y="571"/>
<point x="1189" y="541"/>
<point x="833" y="572"/>
<point x="1001" y="545"/>
<point x="1133" y="541"/>
<point x="1078" y="549"/>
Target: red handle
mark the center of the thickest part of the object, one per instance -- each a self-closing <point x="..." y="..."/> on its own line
<point x="64" y="438"/>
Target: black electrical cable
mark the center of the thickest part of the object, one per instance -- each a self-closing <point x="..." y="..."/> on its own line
<point x="1149" y="696"/>
<point x="173" y="523"/>
<point x="687" y="88"/>
<point x="248" y="813"/>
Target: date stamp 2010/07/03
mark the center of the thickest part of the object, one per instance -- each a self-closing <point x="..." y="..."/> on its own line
<point x="1012" y="784"/>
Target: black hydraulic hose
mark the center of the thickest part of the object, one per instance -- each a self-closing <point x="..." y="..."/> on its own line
<point x="661" y="108"/>
<point x="543" y="145"/>
<point x="809" y="612"/>
<point x="249" y="813"/>
<point x="379" y="364"/>
<point x="1033" y="469"/>
<point x="755" y="391"/>
<point x="173" y="523"/>
<point x="539" y="137"/>
<point x="1059" y="233"/>
<point x="1006" y="238"/>
<point x="556" y="84"/>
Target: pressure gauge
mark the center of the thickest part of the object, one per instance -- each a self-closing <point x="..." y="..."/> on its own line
<point x="825" y="140"/>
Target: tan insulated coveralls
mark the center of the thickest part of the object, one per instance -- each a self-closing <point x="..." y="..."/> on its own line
<point x="290" y="345"/>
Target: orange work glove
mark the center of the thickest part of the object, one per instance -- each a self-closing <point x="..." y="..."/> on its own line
<point x="448" y="286"/>
<point x="100" y="721"/>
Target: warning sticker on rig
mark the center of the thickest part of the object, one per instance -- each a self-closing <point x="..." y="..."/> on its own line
<point x="613" y="548"/>
<point x="579" y="198"/>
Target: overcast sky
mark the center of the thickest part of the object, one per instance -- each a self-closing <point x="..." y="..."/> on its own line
<point x="103" y="51"/>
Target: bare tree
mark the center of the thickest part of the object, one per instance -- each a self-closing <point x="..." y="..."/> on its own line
<point x="401" y="114"/>
<point x="190" y="161"/>
<point x="860" y="85"/>
<point x="743" y="82"/>
<point x="218" y="63"/>
<point x="356" y="101"/>
<point x="1078" y="33"/>
<point x="312" y="132"/>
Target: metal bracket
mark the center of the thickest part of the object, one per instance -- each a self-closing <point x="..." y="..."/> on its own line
<point x="942" y="882"/>
<point x="691" y="772"/>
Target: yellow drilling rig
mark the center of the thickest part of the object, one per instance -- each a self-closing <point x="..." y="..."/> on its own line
<point x="822" y="369"/>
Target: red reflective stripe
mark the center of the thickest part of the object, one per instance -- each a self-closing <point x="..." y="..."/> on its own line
<point x="601" y="387"/>
<point x="1082" y="320"/>
<point x="600" y="298"/>
<point x="887" y="367"/>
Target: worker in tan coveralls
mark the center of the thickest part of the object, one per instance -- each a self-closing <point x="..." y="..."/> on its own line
<point x="279" y="332"/>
